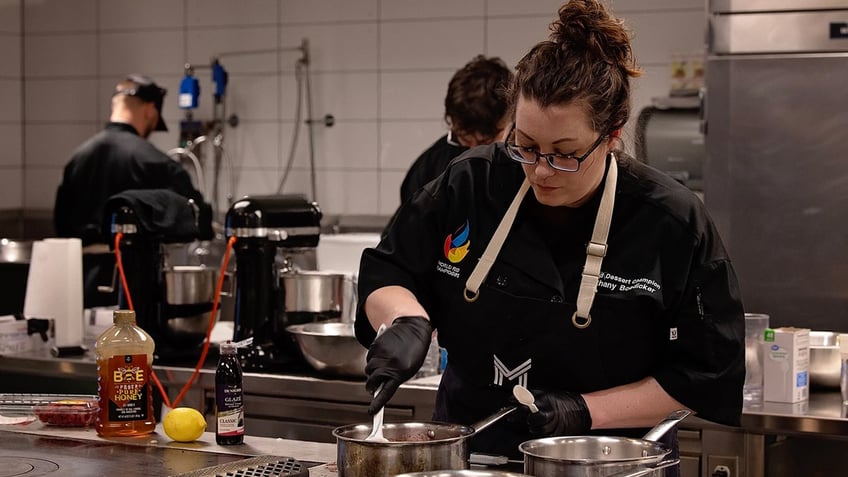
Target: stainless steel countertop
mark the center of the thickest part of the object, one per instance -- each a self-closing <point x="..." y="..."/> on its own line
<point x="80" y="451"/>
<point x="823" y="414"/>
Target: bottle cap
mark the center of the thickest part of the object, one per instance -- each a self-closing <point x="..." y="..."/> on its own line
<point x="228" y="347"/>
<point x="123" y="316"/>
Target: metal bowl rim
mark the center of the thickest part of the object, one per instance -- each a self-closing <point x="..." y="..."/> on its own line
<point x="304" y="329"/>
<point x="463" y="431"/>
<point x="664" y="450"/>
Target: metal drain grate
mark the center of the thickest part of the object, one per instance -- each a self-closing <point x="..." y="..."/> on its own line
<point x="262" y="466"/>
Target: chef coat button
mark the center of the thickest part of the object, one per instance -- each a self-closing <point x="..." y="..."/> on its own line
<point x="501" y="280"/>
<point x="556" y="299"/>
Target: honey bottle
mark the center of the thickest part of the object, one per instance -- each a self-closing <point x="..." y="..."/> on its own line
<point x="124" y="378"/>
<point x="229" y="397"/>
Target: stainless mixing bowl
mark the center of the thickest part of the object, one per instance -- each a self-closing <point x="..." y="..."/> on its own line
<point x="330" y="348"/>
<point x="825" y="361"/>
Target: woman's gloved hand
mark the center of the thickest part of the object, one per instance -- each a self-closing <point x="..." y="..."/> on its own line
<point x="395" y="356"/>
<point x="560" y="414"/>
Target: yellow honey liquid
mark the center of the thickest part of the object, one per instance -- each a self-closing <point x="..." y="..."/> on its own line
<point x="124" y="379"/>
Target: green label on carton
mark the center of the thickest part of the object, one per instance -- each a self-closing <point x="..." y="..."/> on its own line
<point x="769" y="334"/>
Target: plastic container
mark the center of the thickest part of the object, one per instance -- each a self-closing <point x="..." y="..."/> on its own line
<point x="63" y="410"/>
<point x="124" y="379"/>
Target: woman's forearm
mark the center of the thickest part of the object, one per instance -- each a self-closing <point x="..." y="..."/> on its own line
<point x="385" y="304"/>
<point x="641" y="404"/>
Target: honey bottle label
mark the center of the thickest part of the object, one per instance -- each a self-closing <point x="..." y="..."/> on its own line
<point x="128" y="388"/>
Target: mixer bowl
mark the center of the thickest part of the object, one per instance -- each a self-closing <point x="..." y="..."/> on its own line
<point x="190" y="284"/>
<point x="330" y="348"/>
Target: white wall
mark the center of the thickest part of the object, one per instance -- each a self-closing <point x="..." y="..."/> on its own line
<point x="379" y="66"/>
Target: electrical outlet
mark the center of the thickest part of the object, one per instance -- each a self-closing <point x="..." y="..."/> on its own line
<point x="723" y="466"/>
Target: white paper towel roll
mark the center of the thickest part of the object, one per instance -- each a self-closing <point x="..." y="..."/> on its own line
<point x="54" y="287"/>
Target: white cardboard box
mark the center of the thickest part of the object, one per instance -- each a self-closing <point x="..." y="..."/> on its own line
<point x="786" y="366"/>
<point x="14" y="337"/>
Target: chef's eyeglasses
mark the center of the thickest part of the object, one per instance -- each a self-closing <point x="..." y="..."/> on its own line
<point x="557" y="160"/>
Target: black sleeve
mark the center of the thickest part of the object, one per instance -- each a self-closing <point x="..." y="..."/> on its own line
<point x="405" y="254"/>
<point x="705" y="365"/>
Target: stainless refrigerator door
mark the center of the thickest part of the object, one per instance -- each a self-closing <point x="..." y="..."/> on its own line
<point x="776" y="182"/>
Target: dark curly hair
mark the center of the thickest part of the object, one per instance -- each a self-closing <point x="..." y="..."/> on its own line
<point x="586" y="59"/>
<point x="476" y="100"/>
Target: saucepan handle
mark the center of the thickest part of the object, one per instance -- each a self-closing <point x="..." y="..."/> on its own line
<point x="647" y="469"/>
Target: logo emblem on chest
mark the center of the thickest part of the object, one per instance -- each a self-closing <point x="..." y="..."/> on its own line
<point x="457" y="243"/>
<point x="519" y="374"/>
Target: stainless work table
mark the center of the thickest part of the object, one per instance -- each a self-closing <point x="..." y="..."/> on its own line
<point x="79" y="451"/>
<point x="308" y="407"/>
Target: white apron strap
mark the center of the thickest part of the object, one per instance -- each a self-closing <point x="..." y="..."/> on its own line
<point x="472" y="285"/>
<point x="596" y="250"/>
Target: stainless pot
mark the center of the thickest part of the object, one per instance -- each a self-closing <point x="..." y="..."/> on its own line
<point x="331" y="348"/>
<point x="825" y="359"/>
<point x="599" y="456"/>
<point x="190" y="284"/>
<point x="312" y="291"/>
<point x="412" y="447"/>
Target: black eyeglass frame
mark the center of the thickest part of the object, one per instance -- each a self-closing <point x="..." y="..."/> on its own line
<point x="512" y="150"/>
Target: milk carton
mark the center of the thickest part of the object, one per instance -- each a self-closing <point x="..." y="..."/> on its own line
<point x="786" y="366"/>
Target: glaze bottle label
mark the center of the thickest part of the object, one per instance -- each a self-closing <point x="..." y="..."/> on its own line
<point x="230" y="411"/>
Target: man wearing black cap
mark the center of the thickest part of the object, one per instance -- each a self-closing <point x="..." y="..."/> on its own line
<point x="116" y="159"/>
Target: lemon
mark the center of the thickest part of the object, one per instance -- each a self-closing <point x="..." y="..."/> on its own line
<point x="184" y="424"/>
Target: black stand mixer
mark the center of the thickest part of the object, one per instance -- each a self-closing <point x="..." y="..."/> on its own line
<point x="147" y="220"/>
<point x="264" y="226"/>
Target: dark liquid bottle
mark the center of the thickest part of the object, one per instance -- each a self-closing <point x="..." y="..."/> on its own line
<point x="229" y="398"/>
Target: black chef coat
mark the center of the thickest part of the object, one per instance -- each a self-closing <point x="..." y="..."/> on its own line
<point x="667" y="305"/>
<point x="112" y="161"/>
<point x="429" y="165"/>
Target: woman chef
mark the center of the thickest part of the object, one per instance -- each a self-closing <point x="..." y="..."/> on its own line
<point x="554" y="261"/>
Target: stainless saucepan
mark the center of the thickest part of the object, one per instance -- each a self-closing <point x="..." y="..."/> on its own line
<point x="599" y="456"/>
<point x="412" y="447"/>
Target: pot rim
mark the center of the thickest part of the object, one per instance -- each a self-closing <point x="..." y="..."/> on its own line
<point x="664" y="450"/>
<point x="464" y="432"/>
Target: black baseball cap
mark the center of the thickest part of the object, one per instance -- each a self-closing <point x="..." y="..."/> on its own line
<point x="148" y="91"/>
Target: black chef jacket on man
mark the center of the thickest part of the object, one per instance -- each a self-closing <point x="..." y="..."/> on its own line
<point x="114" y="160"/>
<point x="667" y="303"/>
<point x="429" y="165"/>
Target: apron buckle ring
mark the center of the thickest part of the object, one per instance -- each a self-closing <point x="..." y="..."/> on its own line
<point x="580" y="322"/>
<point x="470" y="298"/>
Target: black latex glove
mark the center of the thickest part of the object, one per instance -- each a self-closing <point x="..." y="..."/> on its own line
<point x="395" y="356"/>
<point x="560" y="414"/>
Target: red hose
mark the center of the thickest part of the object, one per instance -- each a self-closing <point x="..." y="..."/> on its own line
<point x="206" y="341"/>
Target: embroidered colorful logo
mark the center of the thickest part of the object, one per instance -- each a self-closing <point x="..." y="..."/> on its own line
<point x="456" y="244"/>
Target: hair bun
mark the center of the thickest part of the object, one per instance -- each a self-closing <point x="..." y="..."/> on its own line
<point x="585" y="27"/>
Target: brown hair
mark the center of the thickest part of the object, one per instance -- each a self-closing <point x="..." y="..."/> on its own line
<point x="587" y="58"/>
<point x="476" y="100"/>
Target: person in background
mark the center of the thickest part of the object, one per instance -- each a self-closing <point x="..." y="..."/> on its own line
<point x="555" y="261"/>
<point x="475" y="112"/>
<point x="116" y="159"/>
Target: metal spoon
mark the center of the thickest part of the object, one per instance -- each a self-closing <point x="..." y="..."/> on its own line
<point x="376" y="434"/>
<point x="525" y="397"/>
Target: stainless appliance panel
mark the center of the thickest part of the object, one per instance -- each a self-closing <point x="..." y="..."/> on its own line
<point x="716" y="6"/>
<point x="776" y="181"/>
<point x="783" y="32"/>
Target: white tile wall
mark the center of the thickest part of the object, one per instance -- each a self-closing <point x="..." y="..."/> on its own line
<point x="10" y="138"/>
<point x="10" y="100"/>
<point x="11" y="188"/>
<point x="380" y="67"/>
<point x="10" y="16"/>
<point x="52" y="144"/>
<point x="10" y="52"/>
<point x="227" y="12"/>
<point x="60" y="55"/>
<point x="132" y="14"/>
<point x="310" y="11"/>
<point x="52" y="16"/>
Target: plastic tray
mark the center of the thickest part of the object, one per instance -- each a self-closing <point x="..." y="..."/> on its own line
<point x="65" y="410"/>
